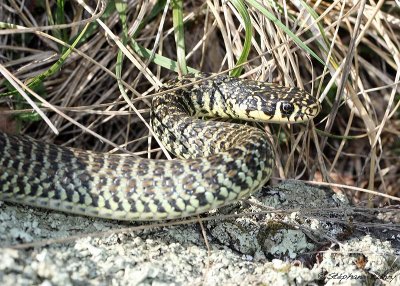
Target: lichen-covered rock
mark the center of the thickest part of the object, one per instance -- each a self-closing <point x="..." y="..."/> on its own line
<point x="286" y="235"/>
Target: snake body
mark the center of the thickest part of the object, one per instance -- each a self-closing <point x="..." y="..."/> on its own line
<point x="218" y="162"/>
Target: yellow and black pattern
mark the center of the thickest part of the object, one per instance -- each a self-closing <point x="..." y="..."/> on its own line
<point x="219" y="162"/>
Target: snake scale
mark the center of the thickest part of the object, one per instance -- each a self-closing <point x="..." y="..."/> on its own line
<point x="217" y="163"/>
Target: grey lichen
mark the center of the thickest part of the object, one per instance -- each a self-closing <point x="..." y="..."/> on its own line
<point x="256" y="247"/>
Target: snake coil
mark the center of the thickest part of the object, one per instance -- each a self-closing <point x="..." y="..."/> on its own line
<point x="219" y="162"/>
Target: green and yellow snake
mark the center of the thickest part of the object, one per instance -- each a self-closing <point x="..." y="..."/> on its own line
<point x="218" y="162"/>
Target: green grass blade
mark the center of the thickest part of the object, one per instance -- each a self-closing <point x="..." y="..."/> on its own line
<point x="158" y="59"/>
<point x="59" y="18"/>
<point x="157" y="9"/>
<point x="177" y="19"/>
<point x="296" y="39"/>
<point x="242" y="9"/>
<point x="54" y="68"/>
<point x="314" y="14"/>
<point x="121" y="8"/>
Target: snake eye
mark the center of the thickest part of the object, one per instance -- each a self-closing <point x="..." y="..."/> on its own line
<point x="287" y="108"/>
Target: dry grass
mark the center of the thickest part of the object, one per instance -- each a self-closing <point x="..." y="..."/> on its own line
<point x="354" y="142"/>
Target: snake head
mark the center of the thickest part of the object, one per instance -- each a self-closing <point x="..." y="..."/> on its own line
<point x="259" y="101"/>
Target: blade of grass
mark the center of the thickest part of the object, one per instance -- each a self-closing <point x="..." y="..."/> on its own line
<point x="242" y="9"/>
<point x="324" y="46"/>
<point x="121" y="7"/>
<point x="18" y="85"/>
<point x="158" y="59"/>
<point x="296" y="39"/>
<point x="54" y="68"/>
<point x="59" y="19"/>
<point x="177" y="20"/>
<point x="158" y="8"/>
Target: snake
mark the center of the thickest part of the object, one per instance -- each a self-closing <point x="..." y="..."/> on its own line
<point x="218" y="162"/>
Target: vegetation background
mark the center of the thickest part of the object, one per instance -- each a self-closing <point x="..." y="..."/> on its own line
<point x="82" y="74"/>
